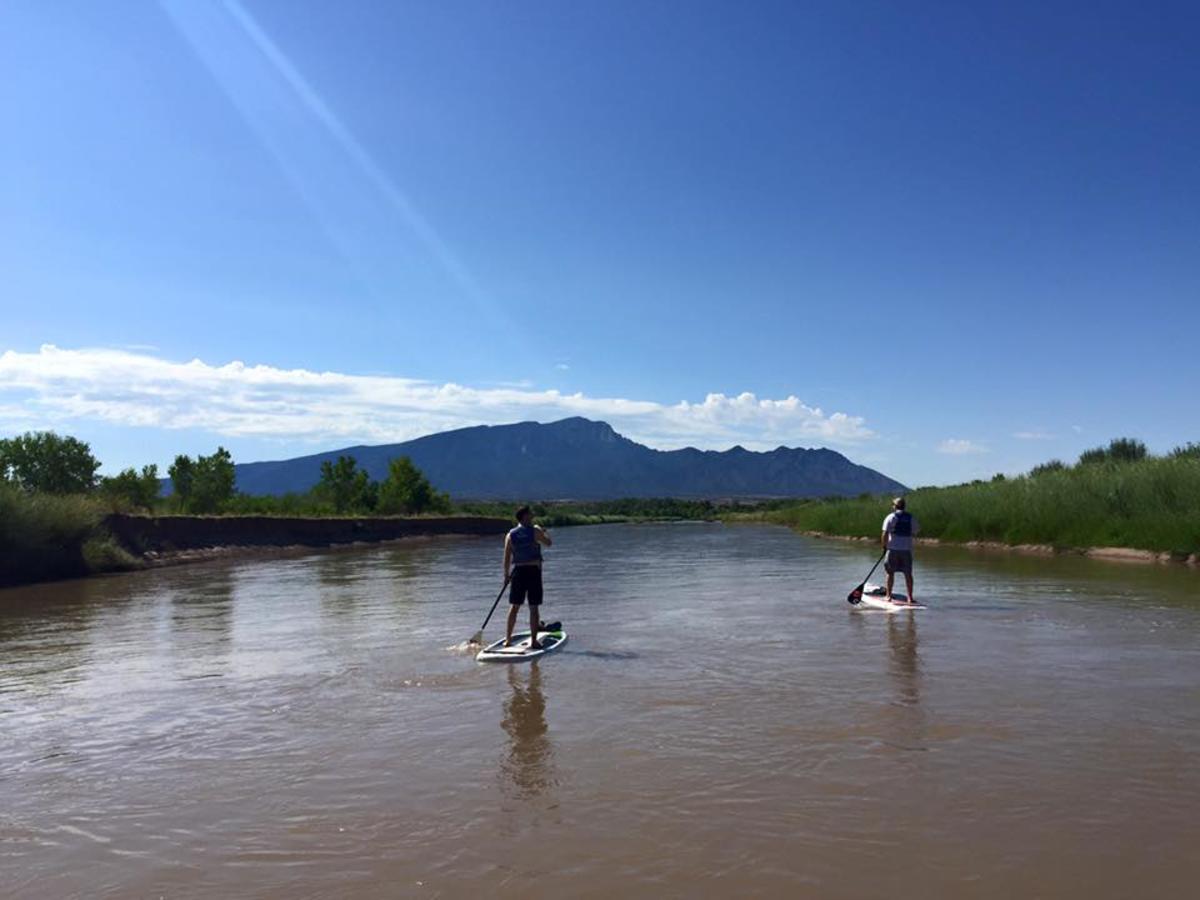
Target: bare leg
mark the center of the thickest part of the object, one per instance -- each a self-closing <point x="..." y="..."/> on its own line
<point x="890" y="578"/>
<point x="908" y="581"/>
<point x="533" y="627"/>
<point x="512" y="620"/>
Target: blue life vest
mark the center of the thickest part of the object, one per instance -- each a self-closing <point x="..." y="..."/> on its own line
<point x="525" y="548"/>
<point x="902" y="524"/>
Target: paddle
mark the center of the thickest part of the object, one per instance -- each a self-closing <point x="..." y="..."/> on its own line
<point x="855" y="596"/>
<point x="477" y="637"/>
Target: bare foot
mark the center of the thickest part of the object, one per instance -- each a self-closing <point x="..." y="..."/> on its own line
<point x="534" y="645"/>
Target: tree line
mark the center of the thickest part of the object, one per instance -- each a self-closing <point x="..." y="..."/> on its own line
<point x="48" y="463"/>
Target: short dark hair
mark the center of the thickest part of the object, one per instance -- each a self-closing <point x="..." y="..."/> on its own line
<point x="522" y="512"/>
<point x="898" y="503"/>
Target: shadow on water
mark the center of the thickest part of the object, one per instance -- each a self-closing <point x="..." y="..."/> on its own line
<point x="973" y="608"/>
<point x="528" y="770"/>
<point x="603" y="654"/>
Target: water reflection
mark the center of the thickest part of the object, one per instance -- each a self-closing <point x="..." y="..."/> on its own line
<point x="201" y="618"/>
<point x="905" y="664"/>
<point x="905" y="721"/>
<point x="46" y="634"/>
<point x="529" y="767"/>
<point x="340" y="577"/>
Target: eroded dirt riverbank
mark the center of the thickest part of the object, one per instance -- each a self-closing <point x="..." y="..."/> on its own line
<point x="163" y="540"/>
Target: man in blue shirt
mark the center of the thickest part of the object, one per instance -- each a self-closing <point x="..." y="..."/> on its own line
<point x="523" y="557"/>
<point x="898" y="530"/>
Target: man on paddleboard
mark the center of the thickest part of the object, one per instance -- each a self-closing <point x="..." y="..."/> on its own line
<point x="523" y="557"/>
<point x="897" y="538"/>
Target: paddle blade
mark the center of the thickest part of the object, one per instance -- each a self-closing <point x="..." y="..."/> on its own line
<point x="855" y="596"/>
<point x="476" y="638"/>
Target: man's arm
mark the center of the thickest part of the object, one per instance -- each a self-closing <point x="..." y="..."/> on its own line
<point x="542" y="536"/>
<point x="507" y="555"/>
<point x="883" y="535"/>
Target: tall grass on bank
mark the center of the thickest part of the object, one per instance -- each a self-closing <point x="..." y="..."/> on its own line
<point x="1152" y="504"/>
<point x="46" y="536"/>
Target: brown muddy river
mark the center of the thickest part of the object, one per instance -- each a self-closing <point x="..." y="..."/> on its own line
<point x="720" y="724"/>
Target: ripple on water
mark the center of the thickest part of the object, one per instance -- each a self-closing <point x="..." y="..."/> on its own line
<point x="719" y="723"/>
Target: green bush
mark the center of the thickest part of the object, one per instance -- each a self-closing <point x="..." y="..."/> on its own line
<point x="130" y="490"/>
<point x="52" y="536"/>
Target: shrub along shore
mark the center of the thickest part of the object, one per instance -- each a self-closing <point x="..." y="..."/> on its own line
<point x="1107" y="500"/>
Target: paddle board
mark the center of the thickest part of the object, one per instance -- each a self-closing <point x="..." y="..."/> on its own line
<point x="519" y="651"/>
<point x="873" y="597"/>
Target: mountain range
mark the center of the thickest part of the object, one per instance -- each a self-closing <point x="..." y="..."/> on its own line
<point x="579" y="459"/>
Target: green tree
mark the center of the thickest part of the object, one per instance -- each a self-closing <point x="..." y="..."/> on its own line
<point x="346" y="486"/>
<point x="406" y="491"/>
<point x="130" y="487"/>
<point x="203" y="485"/>
<point x="1126" y="450"/>
<point x="213" y="487"/>
<point x="1054" y="465"/>
<point x="1189" y="450"/>
<point x="1119" y="450"/>
<point x="183" y="476"/>
<point x="47" y="462"/>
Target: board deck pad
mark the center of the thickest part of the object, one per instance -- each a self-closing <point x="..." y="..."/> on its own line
<point x="873" y="598"/>
<point x="519" y="651"/>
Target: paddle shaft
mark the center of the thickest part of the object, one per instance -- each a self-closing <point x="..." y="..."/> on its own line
<point x="507" y="578"/>
<point x="858" y="590"/>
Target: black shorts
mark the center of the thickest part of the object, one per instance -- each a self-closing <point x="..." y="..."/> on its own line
<point x="526" y="582"/>
<point x="899" y="561"/>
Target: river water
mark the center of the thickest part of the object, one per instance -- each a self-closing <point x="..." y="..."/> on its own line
<point x="721" y="723"/>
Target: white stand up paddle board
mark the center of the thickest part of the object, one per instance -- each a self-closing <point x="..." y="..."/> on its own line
<point x="519" y="651"/>
<point x="873" y="597"/>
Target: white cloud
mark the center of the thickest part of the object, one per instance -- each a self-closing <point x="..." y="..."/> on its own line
<point x="959" y="447"/>
<point x="1033" y="436"/>
<point x="562" y="367"/>
<point x="235" y="399"/>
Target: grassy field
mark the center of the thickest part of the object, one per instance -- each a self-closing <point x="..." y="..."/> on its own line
<point x="1151" y="504"/>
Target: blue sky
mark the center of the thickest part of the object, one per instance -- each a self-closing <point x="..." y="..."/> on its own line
<point x="947" y="239"/>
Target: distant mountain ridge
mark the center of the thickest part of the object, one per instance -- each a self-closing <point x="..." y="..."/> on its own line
<point x="579" y="459"/>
